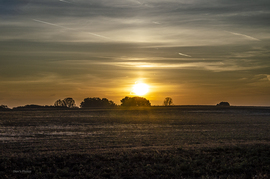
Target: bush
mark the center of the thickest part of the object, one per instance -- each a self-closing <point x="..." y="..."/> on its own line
<point x="97" y="102"/>
<point x="135" y="101"/>
<point x="3" y="107"/>
<point x="67" y="102"/>
<point x="223" y="104"/>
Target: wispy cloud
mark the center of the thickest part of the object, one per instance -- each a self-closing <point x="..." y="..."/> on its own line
<point x="243" y="35"/>
<point x="56" y="25"/>
<point x="48" y="23"/>
<point x="268" y="77"/>
<point x="208" y="66"/>
<point x="184" y="55"/>
<point x="137" y="2"/>
<point x="156" y="22"/>
<point x="38" y="78"/>
<point x="65" y="1"/>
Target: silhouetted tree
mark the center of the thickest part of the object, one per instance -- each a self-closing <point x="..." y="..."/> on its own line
<point x="168" y="101"/>
<point x="3" y="107"/>
<point x="223" y="104"/>
<point x="97" y="102"/>
<point x="135" y="101"/>
<point x="58" y="103"/>
<point x="69" y="102"/>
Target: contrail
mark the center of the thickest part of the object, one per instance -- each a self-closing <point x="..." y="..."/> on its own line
<point x="48" y="23"/>
<point x="51" y="24"/>
<point x="243" y="35"/>
<point x="184" y="55"/>
<point x="155" y="22"/>
<point x="135" y="1"/>
<point x="65" y="1"/>
<point x="99" y="35"/>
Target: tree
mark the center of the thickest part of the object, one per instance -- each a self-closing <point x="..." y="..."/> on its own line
<point x="97" y="102"/>
<point x="3" y="107"/>
<point x="168" y="101"/>
<point x="223" y="104"/>
<point x="67" y="102"/>
<point x="107" y="103"/>
<point x="58" y="103"/>
<point x="135" y="101"/>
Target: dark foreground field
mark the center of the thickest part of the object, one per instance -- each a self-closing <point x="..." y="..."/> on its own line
<point x="155" y="142"/>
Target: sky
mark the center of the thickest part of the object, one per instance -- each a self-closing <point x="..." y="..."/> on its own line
<point x="198" y="52"/>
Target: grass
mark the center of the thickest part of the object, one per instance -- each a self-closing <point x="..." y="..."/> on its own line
<point x="156" y="142"/>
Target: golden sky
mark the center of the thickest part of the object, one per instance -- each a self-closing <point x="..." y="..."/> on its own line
<point x="196" y="52"/>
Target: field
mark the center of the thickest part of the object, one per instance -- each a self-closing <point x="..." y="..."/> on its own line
<point x="154" y="142"/>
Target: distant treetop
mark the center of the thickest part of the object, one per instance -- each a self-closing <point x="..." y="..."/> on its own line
<point x="168" y="101"/>
<point x="3" y="107"/>
<point x="97" y="102"/>
<point x="223" y="104"/>
<point x="34" y="106"/>
<point x="67" y="102"/>
<point x="135" y="101"/>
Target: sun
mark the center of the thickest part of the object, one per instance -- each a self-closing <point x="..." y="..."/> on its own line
<point x="140" y="89"/>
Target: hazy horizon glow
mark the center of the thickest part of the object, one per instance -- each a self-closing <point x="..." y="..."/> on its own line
<point x="196" y="52"/>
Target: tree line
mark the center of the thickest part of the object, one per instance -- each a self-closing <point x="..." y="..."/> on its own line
<point x="88" y="103"/>
<point x="104" y="102"/>
<point x="101" y="103"/>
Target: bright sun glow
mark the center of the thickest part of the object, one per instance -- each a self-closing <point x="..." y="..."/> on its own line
<point x="140" y="89"/>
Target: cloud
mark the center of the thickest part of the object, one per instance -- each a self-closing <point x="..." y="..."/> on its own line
<point x="184" y="55"/>
<point x="182" y="23"/>
<point x="156" y="22"/>
<point x="65" y="1"/>
<point x="39" y="78"/>
<point x="52" y="24"/>
<point x="44" y="22"/>
<point x="268" y="77"/>
<point x="206" y="66"/>
<point x="246" y="36"/>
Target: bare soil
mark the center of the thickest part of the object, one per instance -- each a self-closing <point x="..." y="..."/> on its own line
<point x="154" y="142"/>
